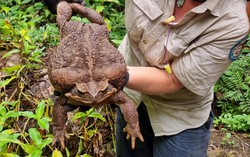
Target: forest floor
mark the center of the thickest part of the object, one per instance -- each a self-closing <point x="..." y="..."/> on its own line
<point x="229" y="144"/>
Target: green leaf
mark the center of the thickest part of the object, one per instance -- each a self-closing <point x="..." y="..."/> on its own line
<point x="67" y="152"/>
<point x="9" y="138"/>
<point x="27" y="38"/>
<point x="28" y="114"/>
<point x="15" y="8"/>
<point x="99" y="9"/>
<point x="91" y="133"/>
<point x="7" y="81"/>
<point x="12" y="69"/>
<point x="40" y="109"/>
<point x="29" y="148"/>
<point x="113" y="1"/>
<point x="2" y="121"/>
<point x="30" y="10"/>
<point x="38" y="5"/>
<point x="35" y="59"/>
<point x="228" y="135"/>
<point x="26" y="1"/>
<point x="57" y="153"/>
<point x="117" y="42"/>
<point x="47" y="13"/>
<point x="12" y="114"/>
<point x="45" y="143"/>
<point x="8" y="131"/>
<point x="11" y="103"/>
<point x="79" y="115"/>
<point x="2" y="110"/>
<point x="35" y="136"/>
<point x="27" y="47"/>
<point x="10" y="53"/>
<point x="80" y="148"/>
<point x="86" y="155"/>
<point x="90" y="111"/>
<point x="5" y="9"/>
<point x="108" y="23"/>
<point x="18" y="2"/>
<point x="35" y="153"/>
<point x="244" y="86"/>
<point x="97" y="115"/>
<point x="10" y="155"/>
<point x="1" y="127"/>
<point x="44" y="123"/>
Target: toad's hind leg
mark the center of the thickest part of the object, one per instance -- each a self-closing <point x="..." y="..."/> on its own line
<point x="131" y="117"/>
<point x="64" y="13"/>
<point x="88" y="13"/>
<point x="59" y="119"/>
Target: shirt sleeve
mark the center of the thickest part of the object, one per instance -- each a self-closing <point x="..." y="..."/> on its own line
<point x="200" y="68"/>
<point x="203" y="58"/>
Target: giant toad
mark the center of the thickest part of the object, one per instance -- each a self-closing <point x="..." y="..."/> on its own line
<point x="87" y="70"/>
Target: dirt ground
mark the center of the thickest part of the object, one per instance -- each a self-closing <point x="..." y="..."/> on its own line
<point x="229" y="144"/>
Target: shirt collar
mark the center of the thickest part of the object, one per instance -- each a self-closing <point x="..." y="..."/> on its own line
<point x="213" y="5"/>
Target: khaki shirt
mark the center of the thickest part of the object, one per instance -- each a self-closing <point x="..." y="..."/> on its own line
<point x="202" y="46"/>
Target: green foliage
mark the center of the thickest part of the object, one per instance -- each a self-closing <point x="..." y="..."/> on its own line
<point x="57" y="153"/>
<point x="30" y="141"/>
<point x="19" y="34"/>
<point x="113" y="13"/>
<point x="233" y="94"/>
<point x="227" y="139"/>
<point x="236" y="122"/>
<point x="90" y="113"/>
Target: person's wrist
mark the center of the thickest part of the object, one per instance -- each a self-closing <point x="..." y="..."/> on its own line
<point x="125" y="80"/>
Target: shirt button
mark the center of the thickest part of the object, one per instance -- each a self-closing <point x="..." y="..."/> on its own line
<point x="144" y="41"/>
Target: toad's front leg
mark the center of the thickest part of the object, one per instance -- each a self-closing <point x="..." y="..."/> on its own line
<point x="59" y="119"/>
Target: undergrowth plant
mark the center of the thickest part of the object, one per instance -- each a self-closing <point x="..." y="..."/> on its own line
<point x="29" y="139"/>
<point x="233" y="94"/>
<point x="113" y="14"/>
<point x="227" y="139"/>
<point x="24" y="131"/>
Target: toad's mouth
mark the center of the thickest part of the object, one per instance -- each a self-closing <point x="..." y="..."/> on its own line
<point x="91" y="93"/>
<point x="87" y="99"/>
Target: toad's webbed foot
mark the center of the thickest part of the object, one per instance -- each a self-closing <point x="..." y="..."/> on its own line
<point x="133" y="133"/>
<point x="59" y="138"/>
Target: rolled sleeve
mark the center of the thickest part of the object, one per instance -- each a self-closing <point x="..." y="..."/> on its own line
<point x="199" y="70"/>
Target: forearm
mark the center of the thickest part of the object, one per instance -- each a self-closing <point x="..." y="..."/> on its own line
<point x="151" y="80"/>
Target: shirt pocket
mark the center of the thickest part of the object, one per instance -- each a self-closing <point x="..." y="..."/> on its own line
<point x="139" y="13"/>
<point x="146" y="30"/>
<point x="150" y="8"/>
<point x="152" y="45"/>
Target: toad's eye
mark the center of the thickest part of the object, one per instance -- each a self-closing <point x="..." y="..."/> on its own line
<point x="81" y="87"/>
<point x="104" y="85"/>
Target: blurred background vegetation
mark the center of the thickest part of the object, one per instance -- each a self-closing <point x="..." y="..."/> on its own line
<point x="27" y="31"/>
